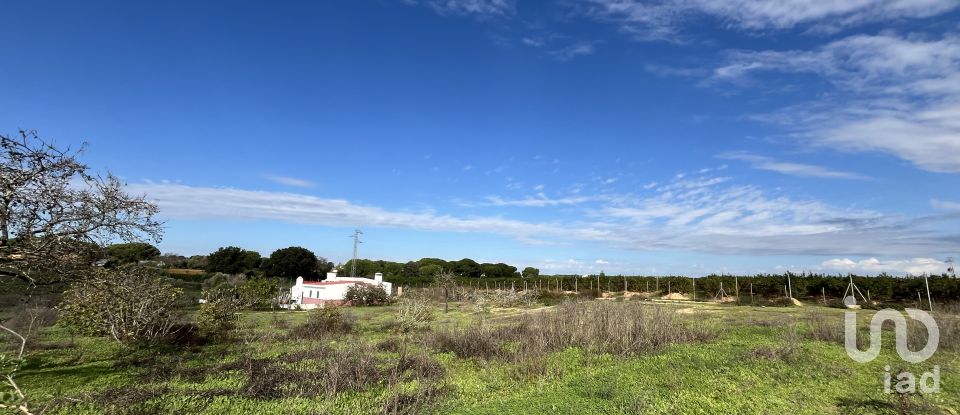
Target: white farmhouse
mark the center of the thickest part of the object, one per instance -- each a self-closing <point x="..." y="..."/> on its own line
<point x="313" y="294"/>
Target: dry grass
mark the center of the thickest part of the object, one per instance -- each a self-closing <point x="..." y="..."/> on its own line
<point x="324" y="322"/>
<point x="826" y="328"/>
<point x="417" y="401"/>
<point x="471" y="341"/>
<point x="620" y="328"/>
<point x="790" y="345"/>
<point x="616" y="328"/>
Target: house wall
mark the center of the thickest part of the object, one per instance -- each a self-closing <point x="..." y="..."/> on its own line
<point x="332" y="291"/>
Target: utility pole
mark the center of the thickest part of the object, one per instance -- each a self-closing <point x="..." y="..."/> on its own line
<point x="356" y="250"/>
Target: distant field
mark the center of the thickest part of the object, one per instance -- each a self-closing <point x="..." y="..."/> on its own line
<point x="185" y="272"/>
<point x="634" y="357"/>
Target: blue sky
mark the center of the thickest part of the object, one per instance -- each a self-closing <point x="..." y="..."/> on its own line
<point x="672" y="136"/>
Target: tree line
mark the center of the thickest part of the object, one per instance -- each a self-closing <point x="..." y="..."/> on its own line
<point x="297" y="261"/>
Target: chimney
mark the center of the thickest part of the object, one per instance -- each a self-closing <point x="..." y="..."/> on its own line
<point x="378" y="277"/>
<point x="332" y="275"/>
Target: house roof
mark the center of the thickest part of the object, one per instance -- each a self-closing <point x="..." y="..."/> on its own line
<point x="332" y="282"/>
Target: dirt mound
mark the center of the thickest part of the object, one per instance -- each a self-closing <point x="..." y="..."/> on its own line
<point x="675" y="296"/>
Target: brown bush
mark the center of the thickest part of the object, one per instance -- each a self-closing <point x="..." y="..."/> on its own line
<point x="390" y="344"/>
<point x="621" y="328"/>
<point x="323" y="322"/>
<point x="786" y="351"/>
<point x="949" y="331"/>
<point x="419" y="366"/>
<point x="471" y="341"/>
<point x="826" y="328"/>
<point x="625" y="328"/>
<point x="330" y="371"/>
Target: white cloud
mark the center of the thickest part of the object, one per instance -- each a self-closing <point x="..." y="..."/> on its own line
<point x="290" y="181"/>
<point x="540" y="200"/>
<point x="788" y="168"/>
<point x="664" y="19"/>
<point x="601" y="262"/>
<point x="533" y="42"/>
<point x="894" y="95"/>
<point x="182" y="201"/>
<point x="694" y="214"/>
<point x="569" y="52"/>
<point x="468" y="7"/>
<point x="914" y="266"/>
<point x="945" y="205"/>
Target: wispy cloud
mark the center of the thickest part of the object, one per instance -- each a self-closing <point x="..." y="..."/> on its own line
<point x="667" y="19"/>
<point x="533" y="42"/>
<point x="945" y="205"/>
<point x="540" y="200"/>
<point x="182" y="201"/>
<point x="581" y="48"/>
<point x="793" y="169"/>
<point x="914" y="266"/>
<point x="481" y="8"/>
<point x="693" y="213"/>
<point x="894" y="94"/>
<point x="289" y="181"/>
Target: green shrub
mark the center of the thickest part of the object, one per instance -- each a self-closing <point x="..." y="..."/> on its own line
<point x="413" y="313"/>
<point x="365" y="295"/>
<point x="131" y="304"/>
<point x="217" y="316"/>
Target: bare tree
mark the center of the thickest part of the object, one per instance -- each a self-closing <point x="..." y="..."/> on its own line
<point x="54" y="217"/>
<point x="445" y="280"/>
<point x="55" y="213"/>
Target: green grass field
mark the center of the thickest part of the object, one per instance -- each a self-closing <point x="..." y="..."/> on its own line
<point x="754" y="361"/>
